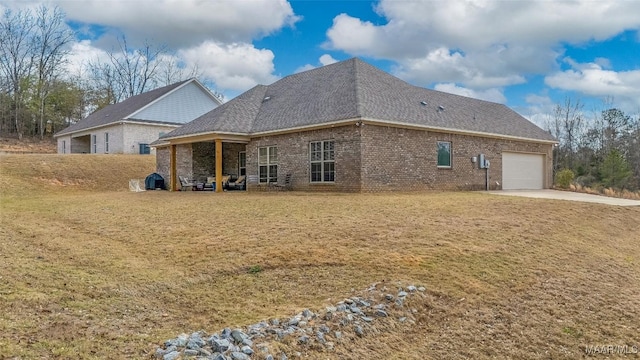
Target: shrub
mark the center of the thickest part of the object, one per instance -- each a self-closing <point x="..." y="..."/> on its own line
<point x="564" y="178"/>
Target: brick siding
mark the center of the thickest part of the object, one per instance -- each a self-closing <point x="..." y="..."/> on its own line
<point x="204" y="159"/>
<point x="406" y="159"/>
<point x="184" y="159"/>
<point x="163" y="166"/>
<point x="293" y="158"/>
<point x="369" y="158"/>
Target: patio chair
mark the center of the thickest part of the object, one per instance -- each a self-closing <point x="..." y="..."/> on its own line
<point x="225" y="181"/>
<point x="211" y="181"/>
<point x="210" y="184"/>
<point x="239" y="184"/>
<point x="286" y="185"/>
<point x="186" y="183"/>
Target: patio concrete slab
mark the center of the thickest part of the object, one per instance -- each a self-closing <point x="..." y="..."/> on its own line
<point x="568" y="195"/>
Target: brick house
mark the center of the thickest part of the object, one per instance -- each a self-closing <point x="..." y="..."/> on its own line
<point x="130" y="126"/>
<point x="351" y="127"/>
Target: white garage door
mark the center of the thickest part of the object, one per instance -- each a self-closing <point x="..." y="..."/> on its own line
<point x="522" y="171"/>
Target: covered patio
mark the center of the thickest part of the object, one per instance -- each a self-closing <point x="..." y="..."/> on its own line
<point x="81" y="144"/>
<point x="203" y="160"/>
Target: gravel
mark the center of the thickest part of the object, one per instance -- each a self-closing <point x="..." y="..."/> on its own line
<point x="323" y="328"/>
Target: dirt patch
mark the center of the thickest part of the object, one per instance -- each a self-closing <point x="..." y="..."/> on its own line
<point x="27" y="146"/>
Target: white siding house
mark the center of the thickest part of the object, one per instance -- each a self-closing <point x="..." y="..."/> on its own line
<point x="130" y="126"/>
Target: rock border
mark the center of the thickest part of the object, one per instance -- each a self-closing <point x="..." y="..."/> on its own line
<point x="357" y="314"/>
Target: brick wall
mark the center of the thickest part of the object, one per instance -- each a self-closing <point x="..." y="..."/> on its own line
<point x="184" y="160"/>
<point x="370" y="158"/>
<point x="293" y="157"/>
<point x="204" y="159"/>
<point x="230" y="158"/>
<point x="405" y="159"/>
<point x="184" y="165"/>
<point x="163" y="166"/>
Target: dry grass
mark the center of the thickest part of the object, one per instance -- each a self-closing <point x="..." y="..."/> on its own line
<point x="46" y="174"/>
<point x="90" y="272"/>
<point x="610" y="192"/>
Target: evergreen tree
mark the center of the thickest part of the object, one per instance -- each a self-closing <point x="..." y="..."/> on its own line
<point x="615" y="170"/>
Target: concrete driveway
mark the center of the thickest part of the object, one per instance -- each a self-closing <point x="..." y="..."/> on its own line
<point x="568" y="195"/>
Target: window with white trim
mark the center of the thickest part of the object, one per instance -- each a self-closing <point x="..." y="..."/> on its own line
<point x="444" y="154"/>
<point x="268" y="164"/>
<point x="242" y="163"/>
<point x="64" y="146"/>
<point x="322" y="159"/>
<point x="106" y="142"/>
<point x="94" y="140"/>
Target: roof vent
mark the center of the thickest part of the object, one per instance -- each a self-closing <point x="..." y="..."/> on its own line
<point x="440" y="108"/>
<point x="423" y="103"/>
<point x="266" y="98"/>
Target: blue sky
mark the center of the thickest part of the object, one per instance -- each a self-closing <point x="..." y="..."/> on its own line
<point x="528" y="55"/>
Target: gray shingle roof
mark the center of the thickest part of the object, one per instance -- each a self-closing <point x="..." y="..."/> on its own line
<point x="235" y="116"/>
<point x="353" y="89"/>
<point x="117" y="112"/>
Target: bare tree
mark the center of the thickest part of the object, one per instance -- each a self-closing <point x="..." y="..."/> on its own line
<point x="105" y="88"/>
<point x="568" y="124"/>
<point x="132" y="71"/>
<point x="170" y="70"/>
<point x="127" y="72"/>
<point x="616" y="124"/>
<point x="16" y="59"/>
<point x="52" y="36"/>
<point x="599" y="148"/>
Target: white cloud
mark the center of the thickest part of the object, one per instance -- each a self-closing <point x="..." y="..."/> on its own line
<point x="538" y="110"/>
<point x="541" y="100"/>
<point x="81" y="53"/>
<point x="182" y="23"/>
<point x="354" y="36"/>
<point x="304" y="68"/>
<point x="474" y="70"/>
<point x="594" y="80"/>
<point x="604" y="62"/>
<point x="324" y="60"/>
<point x="479" y="43"/>
<point x="237" y="66"/>
<point x="215" y="35"/>
<point x="481" y="23"/>
<point x="327" y="59"/>
<point x="494" y="95"/>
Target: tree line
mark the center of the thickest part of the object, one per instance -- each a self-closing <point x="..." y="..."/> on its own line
<point x="600" y="148"/>
<point x="38" y="95"/>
